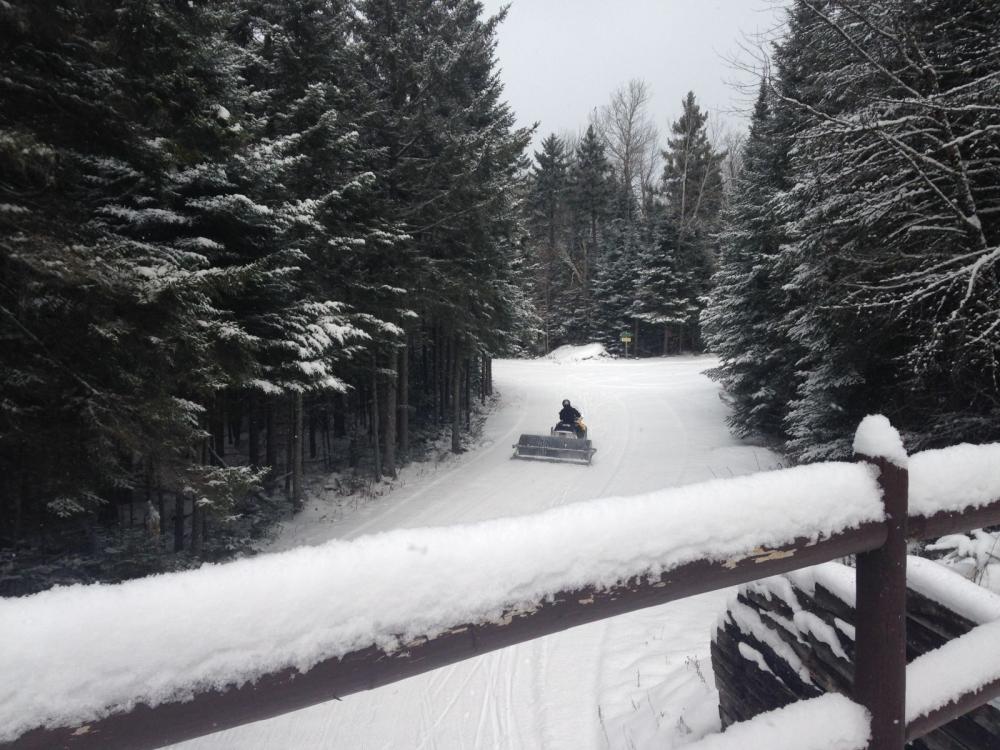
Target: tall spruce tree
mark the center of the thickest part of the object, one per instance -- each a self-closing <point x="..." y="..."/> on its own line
<point x="614" y="285"/>
<point x="109" y="301"/>
<point x="885" y="231"/>
<point x="692" y="190"/>
<point x="549" y="225"/>
<point x="743" y="320"/>
<point x="452" y="156"/>
<point x="663" y="284"/>
<point x="590" y="193"/>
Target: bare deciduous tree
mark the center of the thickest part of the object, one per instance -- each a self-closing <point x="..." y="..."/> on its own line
<point x="630" y="137"/>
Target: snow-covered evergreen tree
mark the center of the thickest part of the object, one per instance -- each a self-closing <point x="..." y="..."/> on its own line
<point x="549" y="224"/>
<point x="663" y="285"/>
<point x="885" y="242"/>
<point x="743" y="320"/>
<point x="692" y="190"/>
<point x="590" y="193"/>
<point x="615" y="282"/>
<point x="452" y="156"/>
<point x="124" y="310"/>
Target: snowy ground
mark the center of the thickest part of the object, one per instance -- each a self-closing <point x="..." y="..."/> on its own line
<point x="637" y="681"/>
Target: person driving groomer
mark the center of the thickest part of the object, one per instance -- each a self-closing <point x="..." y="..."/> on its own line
<point x="568" y="415"/>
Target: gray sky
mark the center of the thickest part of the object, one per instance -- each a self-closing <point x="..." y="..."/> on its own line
<point x="562" y="58"/>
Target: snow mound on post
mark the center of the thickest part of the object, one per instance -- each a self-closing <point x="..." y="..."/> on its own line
<point x="570" y="353"/>
<point x="829" y="722"/>
<point x="953" y="479"/>
<point x="83" y="651"/>
<point x="877" y="438"/>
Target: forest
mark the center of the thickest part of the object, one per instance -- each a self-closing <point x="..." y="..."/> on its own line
<point x="841" y="259"/>
<point x="238" y="240"/>
<point x="247" y="242"/>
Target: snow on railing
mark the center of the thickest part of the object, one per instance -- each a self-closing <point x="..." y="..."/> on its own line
<point x="829" y="722"/>
<point x="966" y="669"/>
<point x="163" y="659"/>
<point x="955" y="479"/>
<point x="232" y="623"/>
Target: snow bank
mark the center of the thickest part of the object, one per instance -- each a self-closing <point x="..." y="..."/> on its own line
<point x="829" y="722"/>
<point x="570" y="353"/>
<point x="877" y="438"/>
<point x="952" y="479"/>
<point x="85" y="650"/>
<point x="962" y="665"/>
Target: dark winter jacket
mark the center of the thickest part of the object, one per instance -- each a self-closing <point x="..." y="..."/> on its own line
<point x="569" y="415"/>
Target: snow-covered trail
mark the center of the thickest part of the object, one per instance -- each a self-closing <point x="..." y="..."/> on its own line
<point x="635" y="681"/>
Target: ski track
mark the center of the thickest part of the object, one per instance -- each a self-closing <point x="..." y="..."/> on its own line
<point x="655" y="423"/>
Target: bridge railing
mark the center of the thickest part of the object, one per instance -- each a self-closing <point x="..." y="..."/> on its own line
<point x="880" y="664"/>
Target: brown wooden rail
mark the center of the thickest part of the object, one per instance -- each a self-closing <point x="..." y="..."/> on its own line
<point x="968" y="702"/>
<point x="289" y="690"/>
<point x="880" y="637"/>
<point x="931" y="527"/>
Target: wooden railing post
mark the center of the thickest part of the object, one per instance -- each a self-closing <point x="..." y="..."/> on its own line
<point x="880" y="646"/>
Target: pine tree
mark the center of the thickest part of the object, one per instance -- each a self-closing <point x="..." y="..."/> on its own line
<point x="663" y="287"/>
<point x="614" y="285"/>
<point x="743" y="321"/>
<point x="880" y="238"/>
<point x="692" y="189"/>
<point x="893" y="244"/>
<point x="311" y="165"/>
<point x="589" y="198"/>
<point x="548" y="222"/>
<point x="125" y="320"/>
<point x="452" y="156"/>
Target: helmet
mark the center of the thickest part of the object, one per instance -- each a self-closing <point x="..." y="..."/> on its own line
<point x="565" y="402"/>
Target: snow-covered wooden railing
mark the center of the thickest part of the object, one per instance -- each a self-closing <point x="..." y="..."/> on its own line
<point x="161" y="660"/>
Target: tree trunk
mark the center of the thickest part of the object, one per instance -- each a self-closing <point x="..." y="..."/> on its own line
<point x="435" y="378"/>
<point x="374" y="422"/>
<point x="312" y="432"/>
<point x="339" y="416"/>
<point x="234" y="417"/>
<point x="197" y="522"/>
<point x="253" y="429"/>
<point x="456" y="398"/>
<point x="444" y="368"/>
<point x="271" y="445"/>
<point x="325" y="435"/>
<point x="295" y="445"/>
<point x="218" y="429"/>
<point x="161" y="507"/>
<point x="468" y="393"/>
<point x="178" y="522"/>
<point x="666" y="339"/>
<point x="404" y="402"/>
<point x="21" y="494"/>
<point x="389" y="420"/>
<point x="482" y="378"/>
<point x="290" y="437"/>
<point x="425" y="376"/>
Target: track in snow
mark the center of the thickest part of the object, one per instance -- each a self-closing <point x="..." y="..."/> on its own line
<point x="655" y="423"/>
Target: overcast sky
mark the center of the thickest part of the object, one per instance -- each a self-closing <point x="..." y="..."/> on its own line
<point x="562" y="58"/>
